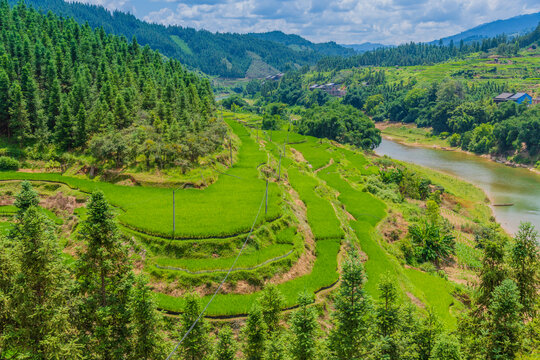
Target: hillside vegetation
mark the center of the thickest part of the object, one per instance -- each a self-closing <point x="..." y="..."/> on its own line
<point x="222" y="54"/>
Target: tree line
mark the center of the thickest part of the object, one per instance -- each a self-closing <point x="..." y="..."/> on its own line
<point x="66" y="87"/>
<point x="428" y="54"/>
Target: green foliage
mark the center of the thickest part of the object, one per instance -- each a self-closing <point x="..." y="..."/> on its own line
<point x="348" y="338"/>
<point x="432" y="243"/>
<point x="8" y="163"/>
<point x="272" y="302"/>
<point x="504" y="322"/>
<point x="525" y="264"/>
<point x="25" y="199"/>
<point x="39" y="312"/>
<point x="74" y="87"/>
<point x="226" y="345"/>
<point x="446" y="347"/>
<point x="304" y="328"/>
<point x="196" y="345"/>
<point x="342" y="123"/>
<point x="254" y="334"/>
<point x="104" y="282"/>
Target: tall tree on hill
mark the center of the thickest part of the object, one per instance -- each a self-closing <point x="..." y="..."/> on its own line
<point x="387" y="320"/>
<point x="493" y="270"/>
<point x="254" y="334"/>
<point x="505" y="325"/>
<point x="271" y="301"/>
<point x="196" y="346"/>
<point x="19" y="125"/>
<point x="349" y="337"/>
<point x="4" y="101"/>
<point x="304" y="328"/>
<point x="104" y="282"/>
<point x="525" y="263"/>
<point x="226" y="345"/>
<point x="25" y="199"/>
<point x="40" y="302"/>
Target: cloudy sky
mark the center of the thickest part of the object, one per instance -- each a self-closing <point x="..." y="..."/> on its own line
<point x="343" y="21"/>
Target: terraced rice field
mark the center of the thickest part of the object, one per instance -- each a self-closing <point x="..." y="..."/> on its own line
<point x="212" y="224"/>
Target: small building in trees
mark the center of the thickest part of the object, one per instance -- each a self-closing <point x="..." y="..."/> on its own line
<point x="331" y="89"/>
<point x="520" y="98"/>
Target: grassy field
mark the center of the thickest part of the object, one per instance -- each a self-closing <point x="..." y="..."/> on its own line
<point x="225" y="208"/>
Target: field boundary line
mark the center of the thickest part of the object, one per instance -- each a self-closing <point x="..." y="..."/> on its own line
<point x="225" y="270"/>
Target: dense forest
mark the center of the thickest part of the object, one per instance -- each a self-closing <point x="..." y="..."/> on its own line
<point x="421" y="53"/>
<point x="223" y="54"/>
<point x="66" y="87"/>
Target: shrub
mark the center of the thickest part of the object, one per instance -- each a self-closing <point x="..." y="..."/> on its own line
<point x="8" y="163"/>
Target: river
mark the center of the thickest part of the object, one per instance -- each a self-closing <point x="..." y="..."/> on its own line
<point x="502" y="184"/>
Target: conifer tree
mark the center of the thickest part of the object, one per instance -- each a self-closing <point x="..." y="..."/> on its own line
<point x="25" y="199"/>
<point x="348" y="338"/>
<point x="276" y="349"/>
<point x="387" y="318"/>
<point x="271" y="301"/>
<point x="254" y="334"/>
<point x="504" y="322"/>
<point x="4" y="102"/>
<point x="493" y="270"/>
<point x="196" y="346"/>
<point x="525" y="263"/>
<point x="41" y="312"/>
<point x="429" y="329"/>
<point x="104" y="281"/>
<point x="64" y="128"/>
<point x="19" y="125"/>
<point x="304" y="328"/>
<point x="146" y="324"/>
<point x="446" y="347"/>
<point x="226" y="345"/>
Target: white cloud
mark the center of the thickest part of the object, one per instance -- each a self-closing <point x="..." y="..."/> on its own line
<point x="343" y="21"/>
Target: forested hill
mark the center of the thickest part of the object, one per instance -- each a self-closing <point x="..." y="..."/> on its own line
<point x="515" y="26"/>
<point x="427" y="54"/>
<point x="68" y="87"/>
<point x="298" y="43"/>
<point x="223" y="54"/>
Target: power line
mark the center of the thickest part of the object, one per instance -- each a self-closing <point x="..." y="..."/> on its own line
<point x="222" y="282"/>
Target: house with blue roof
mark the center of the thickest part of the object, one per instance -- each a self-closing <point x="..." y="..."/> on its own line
<point x="520" y="98"/>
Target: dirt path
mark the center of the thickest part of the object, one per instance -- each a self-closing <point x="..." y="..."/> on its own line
<point x="325" y="166"/>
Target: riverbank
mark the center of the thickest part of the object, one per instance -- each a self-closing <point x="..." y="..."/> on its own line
<point x="411" y="135"/>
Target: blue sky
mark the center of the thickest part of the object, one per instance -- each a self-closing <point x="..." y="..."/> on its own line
<point x="343" y="21"/>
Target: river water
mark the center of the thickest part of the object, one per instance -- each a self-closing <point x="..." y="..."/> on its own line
<point x="502" y="184"/>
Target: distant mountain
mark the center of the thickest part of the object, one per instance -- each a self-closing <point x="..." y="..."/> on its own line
<point x="298" y="43"/>
<point x="222" y="54"/>
<point x="514" y="26"/>
<point x="367" y="46"/>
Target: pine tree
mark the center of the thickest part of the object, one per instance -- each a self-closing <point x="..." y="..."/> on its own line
<point x="25" y="199"/>
<point x="271" y="301"/>
<point x="304" y="328"/>
<point x="387" y="318"/>
<point x="254" y="334"/>
<point x="41" y="298"/>
<point x="64" y="130"/>
<point x="4" y="102"/>
<point x="504" y="322"/>
<point x="196" y="345"/>
<point x="104" y="280"/>
<point x="19" y="125"/>
<point x="348" y="338"/>
<point x="8" y="269"/>
<point x="525" y="263"/>
<point x="429" y="329"/>
<point x="446" y="347"/>
<point x="146" y="324"/>
<point x="29" y="89"/>
<point x="276" y="349"/>
<point x="226" y="345"/>
<point x="54" y="103"/>
<point x="121" y="113"/>
<point x="493" y="270"/>
<point x="81" y="134"/>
